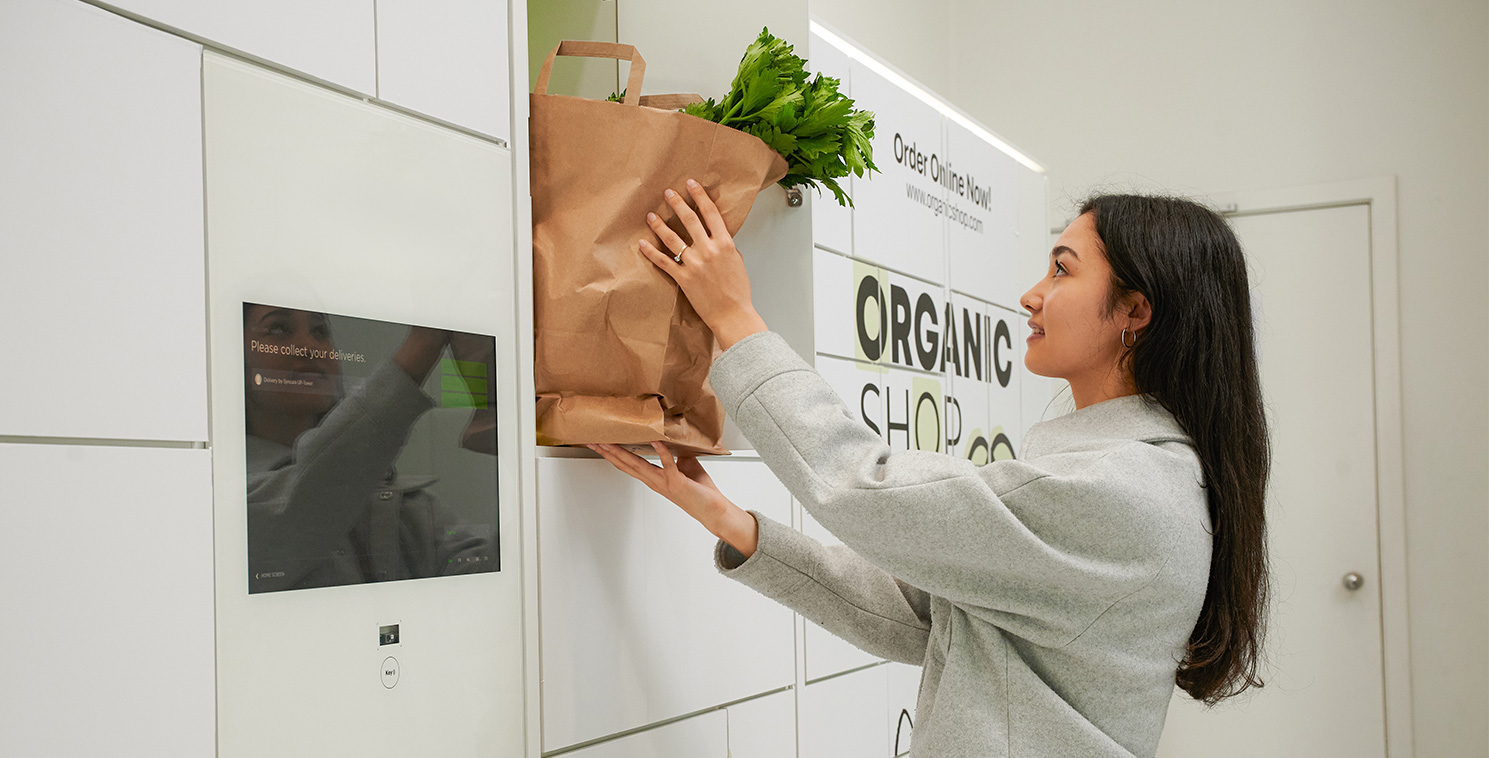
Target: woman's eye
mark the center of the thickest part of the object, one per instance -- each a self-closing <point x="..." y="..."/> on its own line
<point x="1059" y="269"/>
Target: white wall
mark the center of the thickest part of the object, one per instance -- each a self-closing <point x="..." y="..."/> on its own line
<point x="1208" y="97"/>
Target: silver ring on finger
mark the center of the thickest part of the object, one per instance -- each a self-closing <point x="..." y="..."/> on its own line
<point x="678" y="257"/>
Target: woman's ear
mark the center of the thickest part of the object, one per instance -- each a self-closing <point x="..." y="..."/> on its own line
<point x="1139" y="311"/>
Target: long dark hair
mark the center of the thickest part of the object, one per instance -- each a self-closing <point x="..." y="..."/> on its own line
<point x="1197" y="357"/>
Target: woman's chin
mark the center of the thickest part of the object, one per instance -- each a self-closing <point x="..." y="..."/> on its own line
<point x="1035" y="367"/>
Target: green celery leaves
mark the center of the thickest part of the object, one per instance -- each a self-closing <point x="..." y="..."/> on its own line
<point x="807" y="120"/>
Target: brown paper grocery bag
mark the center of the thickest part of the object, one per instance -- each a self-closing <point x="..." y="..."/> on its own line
<point x="620" y="356"/>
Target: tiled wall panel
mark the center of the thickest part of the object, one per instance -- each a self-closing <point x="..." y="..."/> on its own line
<point x="860" y="386"/>
<point x="332" y="40"/>
<point x="845" y="716"/>
<point x="1005" y="385"/>
<point x="764" y="727"/>
<point x="827" y="653"/>
<point x="106" y="585"/>
<point x="704" y="736"/>
<point x="637" y="625"/>
<point x="102" y="276"/>
<point x="904" y="688"/>
<point x="898" y="217"/>
<point x="832" y="223"/>
<point x="447" y="58"/>
<point x="968" y="421"/>
<point x="982" y="230"/>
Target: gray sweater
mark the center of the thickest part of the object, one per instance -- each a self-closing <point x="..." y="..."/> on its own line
<point x="1049" y="598"/>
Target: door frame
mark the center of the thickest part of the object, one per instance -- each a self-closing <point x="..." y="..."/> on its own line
<point x="1378" y="195"/>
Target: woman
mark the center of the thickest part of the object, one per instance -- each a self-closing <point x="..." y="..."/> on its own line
<point x="1055" y="600"/>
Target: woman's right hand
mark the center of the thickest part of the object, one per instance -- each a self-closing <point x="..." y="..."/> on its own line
<point x="707" y="266"/>
<point x="685" y="483"/>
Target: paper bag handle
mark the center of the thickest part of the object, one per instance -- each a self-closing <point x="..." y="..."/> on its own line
<point x="675" y="102"/>
<point x="583" y="49"/>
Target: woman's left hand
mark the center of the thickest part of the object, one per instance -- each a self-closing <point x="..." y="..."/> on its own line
<point x="708" y="267"/>
<point x="685" y="483"/>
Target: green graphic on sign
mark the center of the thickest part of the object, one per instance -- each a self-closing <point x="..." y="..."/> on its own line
<point x="1002" y="446"/>
<point x="925" y="413"/>
<point x="977" y="447"/>
<point x="871" y="319"/>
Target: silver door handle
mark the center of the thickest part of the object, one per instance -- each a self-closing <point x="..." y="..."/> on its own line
<point x="1353" y="581"/>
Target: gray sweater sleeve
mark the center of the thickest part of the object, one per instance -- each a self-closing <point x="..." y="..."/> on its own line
<point x="1040" y="550"/>
<point x="834" y="588"/>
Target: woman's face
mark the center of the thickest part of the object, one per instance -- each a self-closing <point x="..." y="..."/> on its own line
<point x="1073" y="337"/>
<point x="283" y="354"/>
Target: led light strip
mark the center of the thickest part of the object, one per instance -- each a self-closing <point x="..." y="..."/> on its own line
<point x="920" y="93"/>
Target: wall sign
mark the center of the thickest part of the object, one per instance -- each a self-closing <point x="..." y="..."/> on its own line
<point x="916" y="310"/>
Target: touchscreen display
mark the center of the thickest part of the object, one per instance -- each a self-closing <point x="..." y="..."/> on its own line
<point x="371" y="450"/>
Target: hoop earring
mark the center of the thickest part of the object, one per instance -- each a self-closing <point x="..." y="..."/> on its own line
<point x="1124" y="340"/>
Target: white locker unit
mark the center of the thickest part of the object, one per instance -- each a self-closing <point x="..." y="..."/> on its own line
<point x="702" y="736"/>
<point x="101" y="223"/>
<point x="898" y="215"/>
<point x="852" y="307"/>
<point x="1005" y="400"/>
<point x="916" y="314"/>
<point x="106" y="559"/>
<point x="332" y="40"/>
<point x="764" y="727"/>
<point x="1034" y="238"/>
<point x="703" y="63"/>
<point x="969" y="423"/>
<point x="903" y="684"/>
<point x="832" y="224"/>
<point x="846" y="715"/>
<point x="985" y="368"/>
<point x="861" y="387"/>
<point x="322" y="202"/>
<point x="827" y="654"/>
<point x="982" y="219"/>
<point x="447" y="59"/>
<point x="777" y="249"/>
<point x="834" y="298"/>
<point x="914" y="410"/>
<point x="637" y="625"/>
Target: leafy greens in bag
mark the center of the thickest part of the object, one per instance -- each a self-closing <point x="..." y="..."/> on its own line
<point x="812" y="125"/>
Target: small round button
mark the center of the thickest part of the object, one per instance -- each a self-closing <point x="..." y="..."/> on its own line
<point x="389" y="672"/>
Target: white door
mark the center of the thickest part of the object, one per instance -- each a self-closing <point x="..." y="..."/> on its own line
<point x="1324" y="694"/>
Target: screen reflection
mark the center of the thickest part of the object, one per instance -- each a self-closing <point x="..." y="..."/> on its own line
<point x="370" y="450"/>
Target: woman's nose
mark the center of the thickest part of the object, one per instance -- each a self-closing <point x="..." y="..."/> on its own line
<point x="1031" y="299"/>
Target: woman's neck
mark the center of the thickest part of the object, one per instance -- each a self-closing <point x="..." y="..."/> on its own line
<point x="1098" y="388"/>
